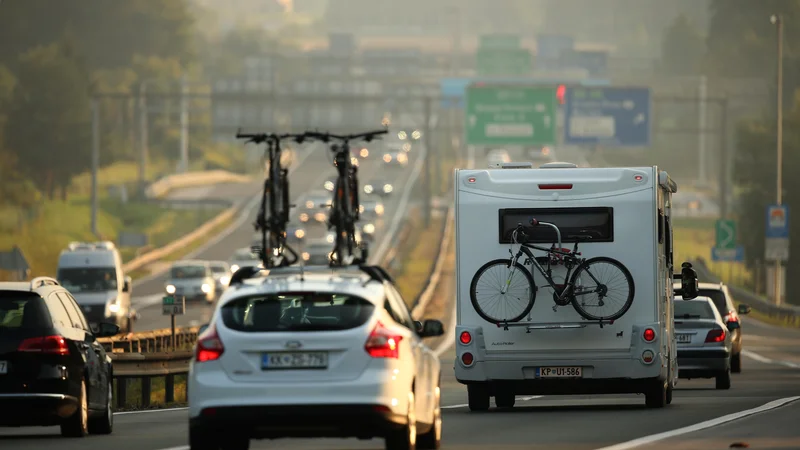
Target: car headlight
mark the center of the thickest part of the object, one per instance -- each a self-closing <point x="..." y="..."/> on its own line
<point x="113" y="307"/>
<point x="303" y="217"/>
<point x="364" y="153"/>
<point x="329" y="186"/>
<point x="369" y="228"/>
<point x="354" y="161"/>
<point x="387" y="188"/>
<point x="205" y="288"/>
<point x="234" y="268"/>
<point x="402" y="135"/>
<point x="416" y="135"/>
<point x="379" y="210"/>
<point x="406" y="147"/>
<point x="306" y="256"/>
<point x="401" y="158"/>
<point x="361" y="209"/>
<point x="319" y="217"/>
<point x="330" y="237"/>
<point x="224" y="280"/>
<point x="299" y="234"/>
<point x="368" y="189"/>
<point x="170" y="289"/>
<point x="309" y="204"/>
<point x="387" y="158"/>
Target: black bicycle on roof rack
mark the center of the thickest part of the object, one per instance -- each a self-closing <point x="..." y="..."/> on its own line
<point x="501" y="297"/>
<point x="273" y="214"/>
<point x="345" y="204"/>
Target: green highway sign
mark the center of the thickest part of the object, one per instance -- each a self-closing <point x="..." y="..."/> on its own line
<point x="510" y="115"/>
<point x="171" y="306"/>
<point x="500" y="40"/>
<point x="503" y="62"/>
<point x="725" y="234"/>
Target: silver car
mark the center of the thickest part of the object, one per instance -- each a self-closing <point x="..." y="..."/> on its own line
<point x="221" y="271"/>
<point x="192" y="280"/>
<point x="704" y="341"/>
<point x="317" y="252"/>
<point x="244" y="257"/>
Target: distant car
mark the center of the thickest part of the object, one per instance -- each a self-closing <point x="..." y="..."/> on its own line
<point x="395" y="159"/>
<point x="244" y="257"/>
<point x="221" y="272"/>
<point x="371" y="209"/>
<point x="378" y="186"/>
<point x="368" y="231"/>
<point x="330" y="183"/>
<point x="53" y="371"/>
<point x="498" y="156"/>
<point x="192" y="280"/>
<point x="317" y="251"/>
<point x="315" y="205"/>
<point x="332" y="353"/>
<point x="704" y="343"/>
<point x="723" y="301"/>
<point x="363" y="153"/>
<point x="541" y="154"/>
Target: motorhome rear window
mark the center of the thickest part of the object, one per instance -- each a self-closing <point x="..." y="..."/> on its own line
<point x="597" y="222"/>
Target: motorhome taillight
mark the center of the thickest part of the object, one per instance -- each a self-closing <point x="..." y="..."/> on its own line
<point x="555" y="187"/>
<point x="467" y="359"/>
<point x="471" y="179"/>
<point x="649" y="335"/>
<point x="465" y="337"/>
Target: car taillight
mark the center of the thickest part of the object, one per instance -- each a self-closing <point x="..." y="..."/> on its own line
<point x="715" y="336"/>
<point x="46" y="344"/>
<point x="209" y="345"/>
<point x="649" y="335"/>
<point x="382" y="343"/>
<point x="467" y="359"/>
<point x="465" y="337"/>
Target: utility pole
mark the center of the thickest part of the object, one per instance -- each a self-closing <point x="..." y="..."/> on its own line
<point x="777" y="20"/>
<point x="95" y="159"/>
<point x="184" y="164"/>
<point x="702" y="173"/>
<point x="143" y="138"/>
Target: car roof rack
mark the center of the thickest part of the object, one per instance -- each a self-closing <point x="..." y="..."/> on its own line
<point x="375" y="273"/>
<point x="38" y="282"/>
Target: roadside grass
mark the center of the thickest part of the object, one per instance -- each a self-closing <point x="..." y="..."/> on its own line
<point x="133" y="400"/>
<point x="418" y="262"/>
<point x="694" y="239"/>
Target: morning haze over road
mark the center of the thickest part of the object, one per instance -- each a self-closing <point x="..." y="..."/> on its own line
<point x="491" y="271"/>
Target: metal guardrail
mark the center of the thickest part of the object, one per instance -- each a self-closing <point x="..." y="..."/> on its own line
<point x="146" y="367"/>
<point x="150" y="341"/>
<point x="785" y="313"/>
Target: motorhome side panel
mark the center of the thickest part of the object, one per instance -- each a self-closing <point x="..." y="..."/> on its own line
<point x="632" y="228"/>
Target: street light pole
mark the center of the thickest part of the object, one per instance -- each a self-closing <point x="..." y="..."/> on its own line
<point x="777" y="20"/>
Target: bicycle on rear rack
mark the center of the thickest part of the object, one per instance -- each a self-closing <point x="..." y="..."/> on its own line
<point x="507" y="289"/>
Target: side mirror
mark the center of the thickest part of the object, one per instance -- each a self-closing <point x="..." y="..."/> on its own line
<point x="202" y="329"/>
<point x="744" y="309"/>
<point x="733" y="325"/>
<point x="419" y="327"/>
<point x="432" y="328"/>
<point x="689" y="285"/>
<point x="126" y="284"/>
<point x="105" y="329"/>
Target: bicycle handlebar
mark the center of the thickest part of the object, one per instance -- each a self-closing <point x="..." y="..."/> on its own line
<point x="326" y="137"/>
<point x="260" y="138"/>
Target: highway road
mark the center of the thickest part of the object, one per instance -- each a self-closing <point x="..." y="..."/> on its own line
<point x="771" y="372"/>
<point x="314" y="165"/>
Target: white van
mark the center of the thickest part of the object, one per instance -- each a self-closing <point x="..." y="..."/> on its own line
<point x="92" y="273"/>
<point x="621" y="216"/>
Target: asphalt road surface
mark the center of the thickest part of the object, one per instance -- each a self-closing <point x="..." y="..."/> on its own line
<point x="771" y="371"/>
<point x="315" y="165"/>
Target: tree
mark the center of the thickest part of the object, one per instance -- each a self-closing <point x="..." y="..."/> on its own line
<point x="682" y="49"/>
<point x="48" y="119"/>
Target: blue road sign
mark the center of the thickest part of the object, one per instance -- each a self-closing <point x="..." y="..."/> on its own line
<point x="550" y="46"/>
<point x="607" y="115"/>
<point x="777" y="221"/>
<point x="453" y="90"/>
<point x="594" y="62"/>
<point x="729" y="255"/>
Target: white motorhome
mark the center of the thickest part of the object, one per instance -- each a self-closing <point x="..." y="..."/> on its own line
<point x="92" y="273"/>
<point x="554" y="350"/>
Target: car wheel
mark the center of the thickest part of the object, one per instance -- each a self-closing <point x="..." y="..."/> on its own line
<point x="104" y="424"/>
<point x="77" y="425"/>
<point x="505" y="399"/>
<point x="657" y="397"/>
<point x="433" y="438"/>
<point x="736" y="363"/>
<point x="405" y="438"/>
<point x="478" y="397"/>
<point x="202" y="439"/>
<point x="669" y="394"/>
<point x="724" y="380"/>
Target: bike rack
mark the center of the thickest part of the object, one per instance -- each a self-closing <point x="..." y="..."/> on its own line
<point x="553" y="325"/>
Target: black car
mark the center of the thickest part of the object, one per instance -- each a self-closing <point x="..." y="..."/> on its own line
<point x="52" y="369"/>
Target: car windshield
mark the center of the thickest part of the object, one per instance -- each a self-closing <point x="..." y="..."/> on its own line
<point x="88" y="279"/>
<point x="21" y="310"/>
<point x="303" y="311"/>
<point x="693" y="310"/>
<point x="219" y="269"/>
<point x="245" y="254"/>
<point x="188" y="272"/>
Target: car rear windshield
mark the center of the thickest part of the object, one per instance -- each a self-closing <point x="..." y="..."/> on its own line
<point x="716" y="296"/>
<point x="691" y="309"/>
<point x="304" y="311"/>
<point x="20" y="310"/>
<point x="184" y="272"/>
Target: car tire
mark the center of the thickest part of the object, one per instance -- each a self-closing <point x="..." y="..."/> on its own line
<point x="432" y="440"/>
<point x="505" y="399"/>
<point x="104" y="424"/>
<point x="736" y="363"/>
<point x="202" y="439"/>
<point x="405" y="438"/>
<point x="669" y="394"/>
<point x="478" y="397"/>
<point x="657" y="396"/>
<point x="77" y="425"/>
<point x="723" y="380"/>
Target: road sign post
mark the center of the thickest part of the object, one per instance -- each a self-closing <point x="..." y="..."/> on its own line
<point x="607" y="116"/>
<point x="170" y="307"/>
<point x="510" y="115"/>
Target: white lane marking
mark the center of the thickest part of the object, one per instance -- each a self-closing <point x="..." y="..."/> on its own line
<point x="702" y="425"/>
<point x="765" y="360"/>
<point x="519" y="399"/>
<point x="123" y="413"/>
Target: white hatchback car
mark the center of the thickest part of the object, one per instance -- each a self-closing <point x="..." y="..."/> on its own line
<point x="311" y="352"/>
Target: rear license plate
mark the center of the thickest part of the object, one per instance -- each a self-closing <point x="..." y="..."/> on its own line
<point x="3" y="367"/>
<point x="684" y="338"/>
<point x="294" y="360"/>
<point x="559" y="372"/>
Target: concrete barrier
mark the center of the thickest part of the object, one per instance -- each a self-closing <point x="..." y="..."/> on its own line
<point x="162" y="187"/>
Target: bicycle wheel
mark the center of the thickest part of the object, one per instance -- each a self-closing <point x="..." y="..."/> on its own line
<point x="607" y="281"/>
<point x="286" y="206"/>
<point x="490" y="300"/>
